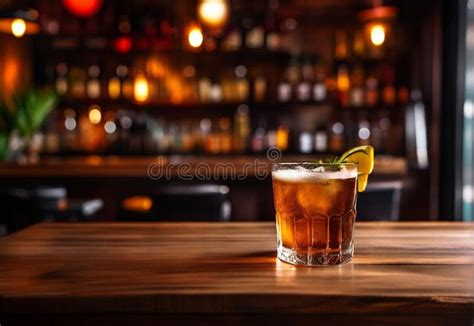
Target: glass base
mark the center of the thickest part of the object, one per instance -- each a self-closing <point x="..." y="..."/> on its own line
<point x="314" y="258"/>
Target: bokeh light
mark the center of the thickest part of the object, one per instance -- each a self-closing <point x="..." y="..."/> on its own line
<point x="141" y="89"/>
<point x="94" y="114"/>
<point x="195" y="37"/>
<point x="377" y="35"/>
<point x="213" y="13"/>
<point x="18" y="27"/>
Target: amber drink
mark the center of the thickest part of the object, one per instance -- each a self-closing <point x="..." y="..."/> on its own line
<point x="315" y="212"/>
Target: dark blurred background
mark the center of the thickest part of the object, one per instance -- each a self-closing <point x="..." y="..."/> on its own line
<point x="101" y="89"/>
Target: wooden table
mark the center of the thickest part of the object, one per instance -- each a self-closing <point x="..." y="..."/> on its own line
<point x="87" y="274"/>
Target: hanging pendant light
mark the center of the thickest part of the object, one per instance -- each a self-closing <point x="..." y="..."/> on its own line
<point x="19" y="22"/>
<point x="213" y="13"/>
<point x="83" y="8"/>
<point x="377" y="20"/>
<point x="378" y="13"/>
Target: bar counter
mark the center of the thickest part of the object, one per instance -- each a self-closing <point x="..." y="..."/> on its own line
<point x="421" y="273"/>
<point x="117" y="177"/>
<point x="120" y="166"/>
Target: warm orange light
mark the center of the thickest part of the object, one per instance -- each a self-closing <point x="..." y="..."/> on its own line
<point x="114" y="87"/>
<point x="195" y="37"/>
<point x="18" y="27"/>
<point x="94" y="114"/>
<point x="176" y="88"/>
<point x="213" y="13"/>
<point x="137" y="203"/>
<point x="141" y="89"/>
<point x="282" y="137"/>
<point x="343" y="81"/>
<point x="155" y="67"/>
<point x="377" y="35"/>
<point x="10" y="75"/>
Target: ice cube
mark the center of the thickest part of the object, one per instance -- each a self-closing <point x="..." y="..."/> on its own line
<point x="314" y="200"/>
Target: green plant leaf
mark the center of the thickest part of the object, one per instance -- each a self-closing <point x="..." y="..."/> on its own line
<point x="32" y="109"/>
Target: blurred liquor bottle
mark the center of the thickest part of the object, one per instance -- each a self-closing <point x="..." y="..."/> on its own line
<point x="282" y="137"/>
<point x="356" y="93"/>
<point x="62" y="83"/>
<point x="389" y="93"/>
<point x="364" y="131"/>
<point x="114" y="85"/>
<point x="258" y="144"/>
<point x="70" y="139"/>
<point x="260" y="88"/>
<point x="273" y="40"/>
<point x="233" y="40"/>
<point x="78" y="82"/>
<point x="284" y="90"/>
<point x="319" y="86"/>
<point x="321" y="140"/>
<point x="204" y="89"/>
<point x="341" y="52"/>
<point x="271" y="137"/>
<point x="51" y="141"/>
<point x="403" y="96"/>
<point x="190" y="84"/>
<point x="126" y="74"/>
<point x="241" y="129"/>
<point x="343" y="85"/>
<point x="303" y="90"/>
<point x="225" y="135"/>
<point x="371" y="92"/>
<point x="241" y="83"/>
<point x="305" y="142"/>
<point x="205" y="128"/>
<point x="229" y="84"/>
<point x="358" y="45"/>
<point x="255" y="36"/>
<point x="93" y="84"/>
<point x="294" y="76"/>
<point x="216" y="93"/>
<point x="336" y="137"/>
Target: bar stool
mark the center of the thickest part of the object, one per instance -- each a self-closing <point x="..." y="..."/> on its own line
<point x="28" y="206"/>
<point x="380" y="201"/>
<point x="47" y="203"/>
<point x="208" y="202"/>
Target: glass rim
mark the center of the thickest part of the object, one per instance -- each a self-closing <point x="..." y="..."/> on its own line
<point x="346" y="164"/>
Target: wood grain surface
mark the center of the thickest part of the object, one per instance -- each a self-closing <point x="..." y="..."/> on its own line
<point x="399" y="269"/>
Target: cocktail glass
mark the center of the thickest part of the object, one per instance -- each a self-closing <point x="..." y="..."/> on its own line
<point x="315" y="206"/>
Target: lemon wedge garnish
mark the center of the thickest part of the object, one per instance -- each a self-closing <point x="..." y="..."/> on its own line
<point x="364" y="156"/>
